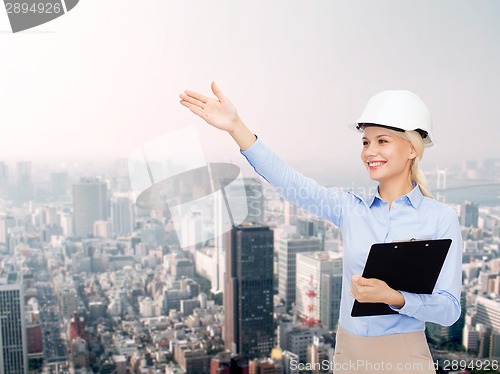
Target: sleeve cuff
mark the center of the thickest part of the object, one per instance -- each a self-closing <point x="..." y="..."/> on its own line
<point x="412" y="303"/>
<point x="257" y="153"/>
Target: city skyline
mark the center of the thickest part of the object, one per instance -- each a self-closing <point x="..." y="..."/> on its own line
<point x="120" y="278"/>
<point x="349" y="177"/>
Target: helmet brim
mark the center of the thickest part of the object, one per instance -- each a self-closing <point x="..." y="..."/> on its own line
<point x="428" y="140"/>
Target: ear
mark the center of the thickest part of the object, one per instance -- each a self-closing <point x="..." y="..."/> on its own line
<point x="413" y="153"/>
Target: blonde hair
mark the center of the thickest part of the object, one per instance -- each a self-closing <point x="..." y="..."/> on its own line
<point x="416" y="174"/>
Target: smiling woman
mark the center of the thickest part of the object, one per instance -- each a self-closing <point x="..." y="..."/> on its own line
<point x="388" y="159"/>
<point x="397" y="127"/>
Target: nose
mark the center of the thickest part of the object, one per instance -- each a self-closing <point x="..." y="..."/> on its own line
<point x="370" y="150"/>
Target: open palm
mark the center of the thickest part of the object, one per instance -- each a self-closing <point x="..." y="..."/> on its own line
<point x="219" y="112"/>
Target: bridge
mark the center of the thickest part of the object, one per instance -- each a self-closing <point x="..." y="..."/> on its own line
<point x="484" y="194"/>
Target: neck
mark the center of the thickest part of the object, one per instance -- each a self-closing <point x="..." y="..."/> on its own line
<point x="390" y="191"/>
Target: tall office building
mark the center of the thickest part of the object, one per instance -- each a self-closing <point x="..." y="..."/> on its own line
<point x="248" y="295"/>
<point x="307" y="228"/>
<point x="255" y="200"/>
<point x="68" y="302"/>
<point x="290" y="213"/>
<point x="223" y="221"/>
<point x="469" y="214"/>
<point x="488" y="313"/>
<point x="319" y="354"/>
<point x="311" y="267"/>
<point x="331" y="290"/>
<point x="24" y="188"/>
<point x="4" y="180"/>
<point x="58" y="184"/>
<point x="287" y="265"/>
<point x="296" y="338"/>
<point x="312" y="227"/>
<point x="122" y="215"/>
<point x="6" y="223"/>
<point x="13" y="344"/>
<point x="442" y="335"/>
<point x="90" y="204"/>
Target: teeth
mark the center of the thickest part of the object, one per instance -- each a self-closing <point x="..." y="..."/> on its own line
<point x="376" y="163"/>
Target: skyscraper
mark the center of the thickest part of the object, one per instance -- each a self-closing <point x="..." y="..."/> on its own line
<point x="7" y="223"/>
<point x="331" y="290"/>
<point x="441" y="335"/>
<point x="311" y="267"/>
<point x="248" y="295"/>
<point x="4" y="180"/>
<point x="24" y="191"/>
<point x="13" y="345"/>
<point x="287" y="265"/>
<point x="90" y="204"/>
<point x="58" y="184"/>
<point x="122" y="215"/>
<point x="255" y="200"/>
<point x="469" y="214"/>
<point x="319" y="354"/>
<point x="488" y="312"/>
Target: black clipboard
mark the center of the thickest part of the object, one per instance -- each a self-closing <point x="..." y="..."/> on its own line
<point x="411" y="266"/>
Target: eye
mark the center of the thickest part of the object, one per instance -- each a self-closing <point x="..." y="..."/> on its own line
<point x="382" y="141"/>
<point x="365" y="143"/>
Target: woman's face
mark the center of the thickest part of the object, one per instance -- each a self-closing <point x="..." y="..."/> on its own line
<point x="386" y="156"/>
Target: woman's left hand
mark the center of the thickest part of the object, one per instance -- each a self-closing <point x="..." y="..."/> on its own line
<point x="372" y="290"/>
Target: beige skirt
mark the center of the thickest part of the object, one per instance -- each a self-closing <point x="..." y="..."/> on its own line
<point x="397" y="353"/>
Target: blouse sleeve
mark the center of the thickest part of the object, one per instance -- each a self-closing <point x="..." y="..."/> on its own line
<point x="304" y="192"/>
<point x="443" y="305"/>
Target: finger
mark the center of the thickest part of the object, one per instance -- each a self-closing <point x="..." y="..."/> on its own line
<point x="217" y="92"/>
<point x="186" y="104"/>
<point x="355" y="278"/>
<point x="192" y="100"/>
<point x="353" y="287"/>
<point x="196" y="110"/>
<point x="197" y="96"/>
<point x="364" y="281"/>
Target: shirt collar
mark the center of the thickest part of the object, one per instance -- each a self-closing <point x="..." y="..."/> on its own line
<point x="414" y="197"/>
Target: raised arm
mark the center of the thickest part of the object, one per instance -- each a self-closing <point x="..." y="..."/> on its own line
<point x="300" y="190"/>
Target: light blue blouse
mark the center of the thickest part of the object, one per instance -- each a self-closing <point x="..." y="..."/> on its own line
<point x="367" y="220"/>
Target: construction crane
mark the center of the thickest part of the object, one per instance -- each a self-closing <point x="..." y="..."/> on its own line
<point x="311" y="294"/>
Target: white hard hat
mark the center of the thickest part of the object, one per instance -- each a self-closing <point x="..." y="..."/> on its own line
<point x="399" y="110"/>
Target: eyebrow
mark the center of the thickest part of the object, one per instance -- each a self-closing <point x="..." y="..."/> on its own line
<point x="378" y="136"/>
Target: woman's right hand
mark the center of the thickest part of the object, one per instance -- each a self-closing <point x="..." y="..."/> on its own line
<point x="220" y="112"/>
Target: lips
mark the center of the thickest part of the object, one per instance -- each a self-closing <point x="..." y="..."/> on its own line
<point x="375" y="164"/>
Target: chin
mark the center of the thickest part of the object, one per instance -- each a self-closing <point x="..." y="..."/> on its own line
<point x="374" y="177"/>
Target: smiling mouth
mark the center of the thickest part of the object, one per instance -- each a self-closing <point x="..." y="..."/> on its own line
<point x="376" y="164"/>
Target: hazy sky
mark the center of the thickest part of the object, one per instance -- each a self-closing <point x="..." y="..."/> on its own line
<point x="104" y="79"/>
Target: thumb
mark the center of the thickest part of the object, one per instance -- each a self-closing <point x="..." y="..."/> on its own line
<point x="217" y="92"/>
<point x="359" y="280"/>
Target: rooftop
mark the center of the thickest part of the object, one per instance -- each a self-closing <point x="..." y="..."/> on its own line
<point x="8" y="277"/>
